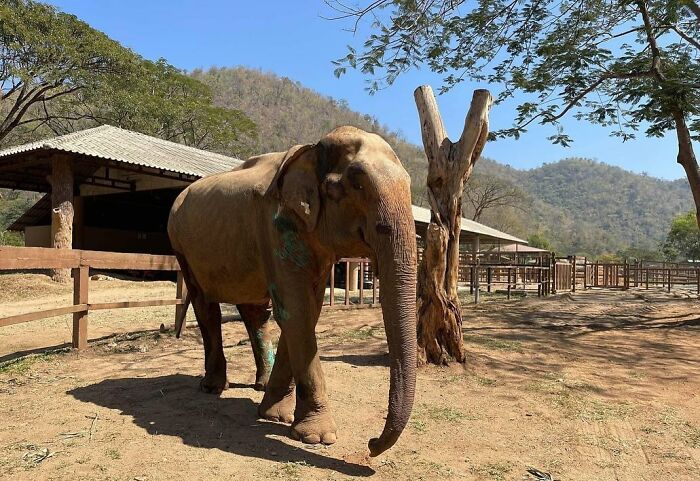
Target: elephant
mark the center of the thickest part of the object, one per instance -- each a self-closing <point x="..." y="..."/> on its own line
<point x="271" y="230"/>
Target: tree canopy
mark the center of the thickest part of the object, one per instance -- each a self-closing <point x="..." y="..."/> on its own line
<point x="622" y="64"/>
<point x="58" y="74"/>
<point x="683" y="239"/>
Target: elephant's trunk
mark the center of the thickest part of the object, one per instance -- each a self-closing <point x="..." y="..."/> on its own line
<point x="396" y="258"/>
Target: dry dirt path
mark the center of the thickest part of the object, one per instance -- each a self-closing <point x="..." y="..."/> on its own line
<point x="591" y="386"/>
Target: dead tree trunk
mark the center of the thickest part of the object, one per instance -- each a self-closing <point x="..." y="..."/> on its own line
<point x="686" y="157"/>
<point x="449" y="167"/>
<point x="62" y="211"/>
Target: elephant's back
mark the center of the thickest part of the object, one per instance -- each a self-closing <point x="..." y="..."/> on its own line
<point x="216" y="224"/>
<point x="229" y="194"/>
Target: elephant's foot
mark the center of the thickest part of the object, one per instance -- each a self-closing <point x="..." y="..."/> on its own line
<point x="261" y="380"/>
<point x="214" y="383"/>
<point x="278" y="406"/>
<point x="315" y="427"/>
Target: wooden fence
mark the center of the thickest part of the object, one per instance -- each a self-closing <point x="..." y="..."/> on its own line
<point x="81" y="261"/>
<point x="584" y="274"/>
<point x="564" y="274"/>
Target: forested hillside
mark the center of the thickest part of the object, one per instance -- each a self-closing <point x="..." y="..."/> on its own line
<point x="581" y="206"/>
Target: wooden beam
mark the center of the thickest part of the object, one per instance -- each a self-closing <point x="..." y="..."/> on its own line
<point x="129" y="304"/>
<point x="81" y="283"/>
<point x="33" y="316"/>
<point x="45" y="258"/>
<point x="38" y="258"/>
<point x="61" y="179"/>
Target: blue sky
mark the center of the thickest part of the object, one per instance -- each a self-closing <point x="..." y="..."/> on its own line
<point x="292" y="39"/>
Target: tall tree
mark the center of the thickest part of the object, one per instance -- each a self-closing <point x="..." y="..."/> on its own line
<point x="485" y="193"/>
<point x="59" y="74"/>
<point x="683" y="239"/>
<point x="449" y="166"/>
<point x="625" y="65"/>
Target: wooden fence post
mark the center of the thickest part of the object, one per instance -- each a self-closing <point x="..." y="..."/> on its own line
<point x="509" y="277"/>
<point x="362" y="280"/>
<point x="669" y="280"/>
<point x="347" y="283"/>
<point x="331" y="301"/>
<point x="180" y="293"/>
<point x="476" y="283"/>
<point x="81" y="282"/>
<point x="375" y="281"/>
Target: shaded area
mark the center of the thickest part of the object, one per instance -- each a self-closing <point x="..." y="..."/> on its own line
<point x="172" y="405"/>
<point x="371" y="360"/>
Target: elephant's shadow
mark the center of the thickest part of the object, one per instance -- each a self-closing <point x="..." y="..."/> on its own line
<point x="172" y="405"/>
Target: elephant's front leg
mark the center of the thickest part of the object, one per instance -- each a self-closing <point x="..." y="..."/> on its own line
<point x="297" y="311"/>
<point x="256" y="319"/>
<point x="279" y="401"/>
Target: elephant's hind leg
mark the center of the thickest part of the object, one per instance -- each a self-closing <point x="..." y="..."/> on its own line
<point x="208" y="316"/>
<point x="256" y="319"/>
<point x="209" y="320"/>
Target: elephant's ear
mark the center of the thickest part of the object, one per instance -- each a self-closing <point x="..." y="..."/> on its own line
<point x="297" y="184"/>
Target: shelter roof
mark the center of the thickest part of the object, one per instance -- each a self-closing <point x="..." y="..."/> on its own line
<point x="469" y="227"/>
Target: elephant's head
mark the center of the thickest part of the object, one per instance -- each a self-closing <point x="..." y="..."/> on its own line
<point x="351" y="190"/>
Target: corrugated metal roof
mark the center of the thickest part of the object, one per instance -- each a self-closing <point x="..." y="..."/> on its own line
<point x="421" y="214"/>
<point x="511" y="248"/>
<point x="113" y="143"/>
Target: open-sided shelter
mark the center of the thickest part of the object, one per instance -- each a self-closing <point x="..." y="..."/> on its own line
<point x="121" y="185"/>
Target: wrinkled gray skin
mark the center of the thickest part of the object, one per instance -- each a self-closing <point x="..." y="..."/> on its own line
<point x="271" y="230"/>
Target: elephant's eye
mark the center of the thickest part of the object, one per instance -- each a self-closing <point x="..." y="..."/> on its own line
<point x="354" y="174"/>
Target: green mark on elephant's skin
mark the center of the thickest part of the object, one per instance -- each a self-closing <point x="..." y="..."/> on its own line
<point x="291" y="248"/>
<point x="267" y="351"/>
<point x="278" y="309"/>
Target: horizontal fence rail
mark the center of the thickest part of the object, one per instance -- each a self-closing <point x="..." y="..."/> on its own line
<point x="81" y="261"/>
<point x="354" y="277"/>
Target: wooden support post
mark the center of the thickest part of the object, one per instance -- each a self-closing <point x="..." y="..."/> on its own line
<point x="669" y="280"/>
<point x="81" y="283"/>
<point x="61" y="180"/>
<point x="585" y="273"/>
<point x="354" y="273"/>
<point x="476" y="284"/>
<point x="362" y="281"/>
<point x="374" y="285"/>
<point x="180" y="309"/>
<point x="489" y="278"/>
<point x="697" y="279"/>
<point x="509" y="287"/>
<point x="573" y="274"/>
<point x="347" y="283"/>
<point x="331" y="301"/>
<point x="646" y="278"/>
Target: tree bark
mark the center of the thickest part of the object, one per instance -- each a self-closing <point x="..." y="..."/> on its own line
<point x="61" y="180"/>
<point x="449" y="166"/>
<point x="686" y="157"/>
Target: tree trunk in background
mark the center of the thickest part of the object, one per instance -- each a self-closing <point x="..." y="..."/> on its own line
<point x="449" y="167"/>
<point x="686" y="157"/>
<point x="62" y="211"/>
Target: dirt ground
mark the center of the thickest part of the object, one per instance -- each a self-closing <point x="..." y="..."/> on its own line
<point x="597" y="386"/>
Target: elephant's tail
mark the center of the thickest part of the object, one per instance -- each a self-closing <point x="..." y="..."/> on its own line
<point x="180" y="319"/>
